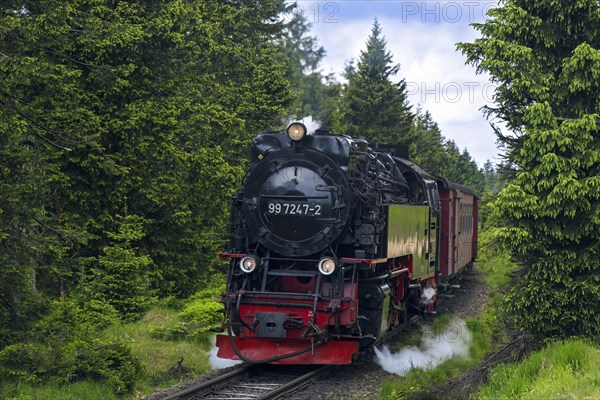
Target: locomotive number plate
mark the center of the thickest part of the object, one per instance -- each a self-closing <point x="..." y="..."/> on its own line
<point x="294" y="209"/>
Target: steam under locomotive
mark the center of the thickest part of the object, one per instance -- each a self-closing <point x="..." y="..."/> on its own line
<point x="334" y="245"/>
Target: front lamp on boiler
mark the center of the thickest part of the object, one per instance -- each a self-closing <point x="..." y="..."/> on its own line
<point x="296" y="131"/>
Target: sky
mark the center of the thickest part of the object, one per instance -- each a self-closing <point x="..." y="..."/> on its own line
<point x="421" y="36"/>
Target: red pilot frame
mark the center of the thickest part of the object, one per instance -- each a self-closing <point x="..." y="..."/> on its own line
<point x="303" y="320"/>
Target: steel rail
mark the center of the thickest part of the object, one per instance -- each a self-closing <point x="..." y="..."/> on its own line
<point x="192" y="390"/>
<point x="273" y="390"/>
<point x="291" y="386"/>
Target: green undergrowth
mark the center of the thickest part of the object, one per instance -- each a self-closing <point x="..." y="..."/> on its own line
<point x="76" y="391"/>
<point x="495" y="264"/>
<point x="567" y="369"/>
<point x="169" y="344"/>
<point x="167" y="356"/>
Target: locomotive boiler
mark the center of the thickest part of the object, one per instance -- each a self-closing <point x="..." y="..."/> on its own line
<point x="333" y="245"/>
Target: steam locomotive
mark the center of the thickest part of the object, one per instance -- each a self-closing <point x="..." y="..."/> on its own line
<point x="334" y="245"/>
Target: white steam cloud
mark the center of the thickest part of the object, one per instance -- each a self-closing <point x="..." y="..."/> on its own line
<point x="427" y="295"/>
<point x="453" y="342"/>
<point x="311" y="125"/>
<point x="219" y="363"/>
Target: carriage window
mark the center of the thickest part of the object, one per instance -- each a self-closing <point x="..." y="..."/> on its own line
<point x="462" y="219"/>
<point x="470" y="218"/>
<point x="433" y="197"/>
<point x="465" y="221"/>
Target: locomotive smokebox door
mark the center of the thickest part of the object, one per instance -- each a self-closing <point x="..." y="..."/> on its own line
<point x="271" y="324"/>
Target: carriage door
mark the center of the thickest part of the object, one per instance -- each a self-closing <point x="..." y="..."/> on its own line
<point x="433" y="198"/>
<point x="452" y="234"/>
<point x="456" y="229"/>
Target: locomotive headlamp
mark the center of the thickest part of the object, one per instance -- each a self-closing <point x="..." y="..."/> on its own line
<point x="296" y="131"/>
<point x="327" y="265"/>
<point x="248" y="264"/>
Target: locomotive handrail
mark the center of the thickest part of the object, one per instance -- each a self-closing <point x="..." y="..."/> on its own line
<point x="285" y="272"/>
<point x="291" y="196"/>
<point x="286" y="295"/>
<point x="284" y="304"/>
<point x="389" y="275"/>
<point x="369" y="261"/>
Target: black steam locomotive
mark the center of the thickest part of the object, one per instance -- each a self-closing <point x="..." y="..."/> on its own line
<point x="333" y="244"/>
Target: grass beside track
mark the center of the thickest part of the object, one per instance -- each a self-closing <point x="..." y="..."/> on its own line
<point x="156" y="344"/>
<point x="567" y="369"/>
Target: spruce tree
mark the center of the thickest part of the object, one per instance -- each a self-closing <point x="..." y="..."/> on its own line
<point x="315" y="94"/>
<point x="544" y="58"/>
<point x="427" y="144"/>
<point x="373" y="107"/>
<point x="439" y="156"/>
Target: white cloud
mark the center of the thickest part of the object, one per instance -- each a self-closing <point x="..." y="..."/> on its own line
<point x="435" y="72"/>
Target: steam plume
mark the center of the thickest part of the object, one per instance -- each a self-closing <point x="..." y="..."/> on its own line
<point x="219" y="363"/>
<point x="454" y="342"/>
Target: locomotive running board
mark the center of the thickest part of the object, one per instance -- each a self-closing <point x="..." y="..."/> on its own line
<point x="333" y="352"/>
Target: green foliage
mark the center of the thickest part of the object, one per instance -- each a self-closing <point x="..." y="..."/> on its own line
<point x="546" y="63"/>
<point x="204" y="315"/>
<point x="549" y="212"/>
<point x="67" y="367"/>
<point x="174" y="332"/>
<point x="482" y="330"/>
<point x="564" y="369"/>
<point x="203" y="311"/>
<point x="494" y="183"/>
<point x="198" y="314"/>
<point x="315" y="95"/>
<point x="155" y="342"/>
<point x="495" y="263"/>
<point x="76" y="391"/>
<point x="119" y="278"/>
<point x="67" y="348"/>
<point x="124" y="129"/>
<point x="439" y="156"/>
<point x="124" y="126"/>
<point x="98" y="360"/>
<point x="25" y="362"/>
<point x="373" y="107"/>
<point x="99" y="313"/>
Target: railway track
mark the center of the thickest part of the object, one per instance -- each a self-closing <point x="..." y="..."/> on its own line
<point x="254" y="382"/>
